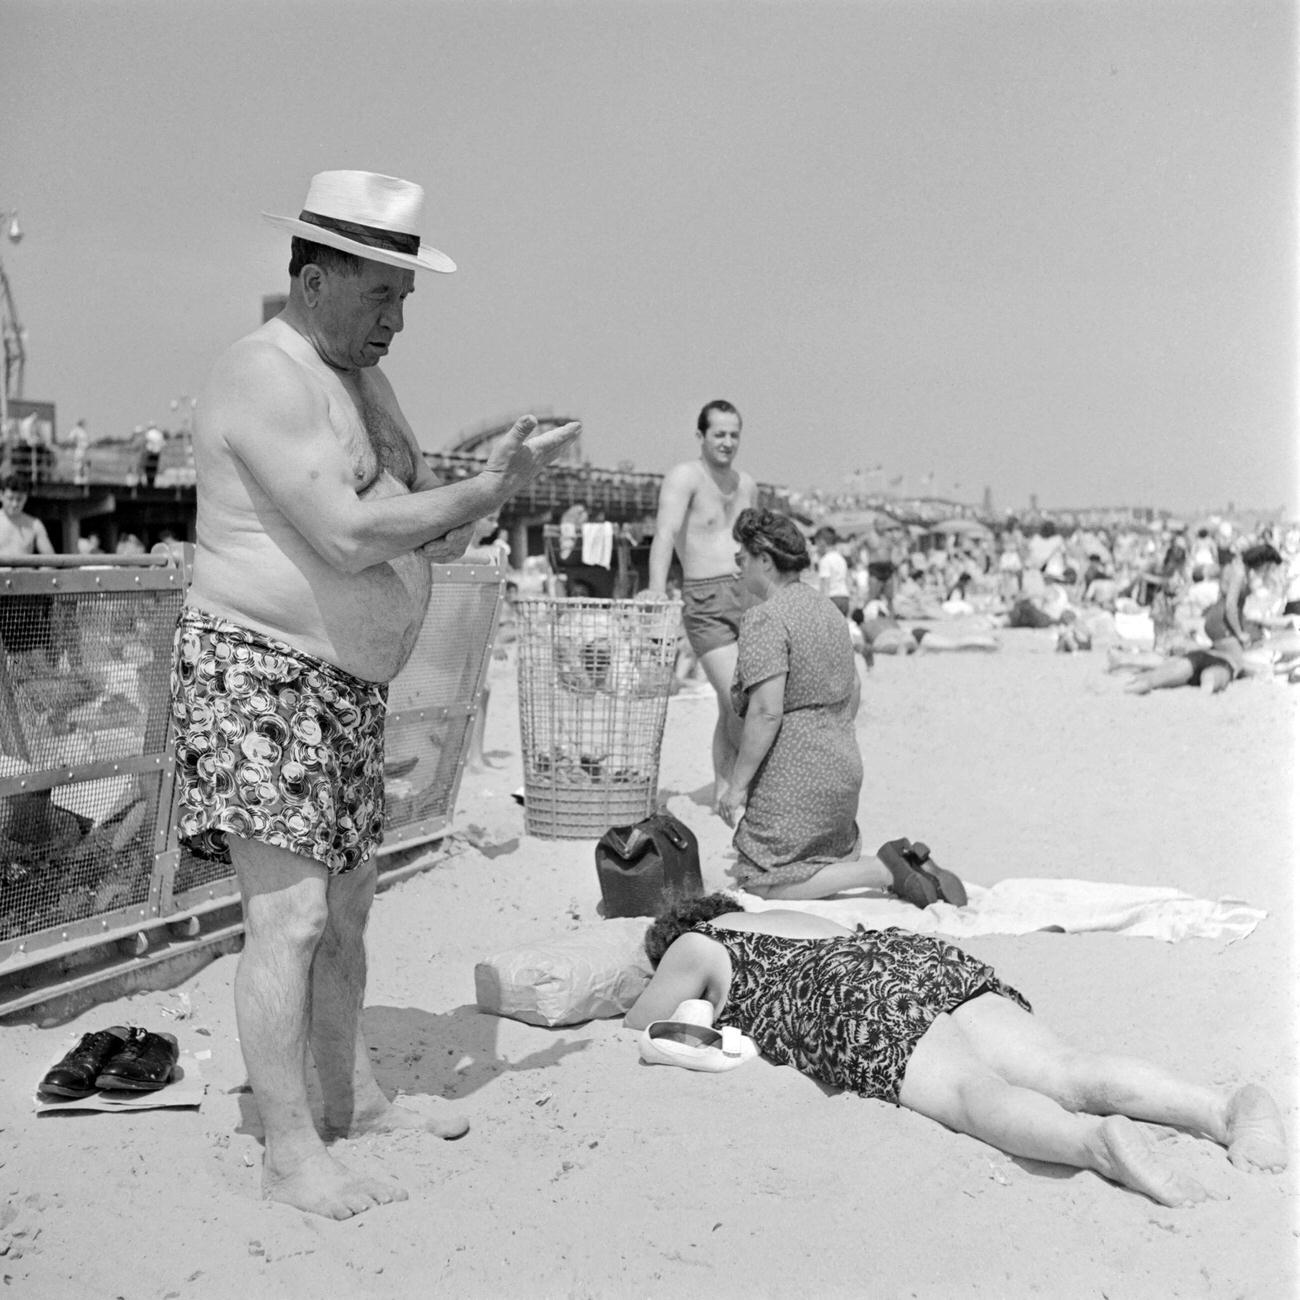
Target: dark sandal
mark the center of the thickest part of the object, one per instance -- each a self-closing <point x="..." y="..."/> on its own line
<point x="951" y="890"/>
<point x="912" y="886"/>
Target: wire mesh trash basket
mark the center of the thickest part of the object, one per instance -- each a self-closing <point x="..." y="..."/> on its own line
<point x="594" y="681"/>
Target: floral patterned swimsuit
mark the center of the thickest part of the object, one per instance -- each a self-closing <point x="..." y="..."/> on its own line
<point x="274" y="745"/>
<point x="848" y="1011"/>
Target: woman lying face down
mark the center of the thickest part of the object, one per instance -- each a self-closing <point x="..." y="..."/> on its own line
<point x="912" y="1019"/>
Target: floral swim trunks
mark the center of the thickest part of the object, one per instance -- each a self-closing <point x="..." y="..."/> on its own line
<point x="274" y="745"/>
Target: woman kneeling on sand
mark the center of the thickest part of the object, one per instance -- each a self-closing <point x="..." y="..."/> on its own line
<point x="798" y="773"/>
<point x="911" y="1019"/>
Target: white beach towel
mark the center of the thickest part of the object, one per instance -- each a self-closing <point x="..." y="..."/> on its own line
<point x="1022" y="906"/>
<point x="598" y="543"/>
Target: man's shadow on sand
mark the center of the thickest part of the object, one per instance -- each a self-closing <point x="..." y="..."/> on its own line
<point x="450" y="1055"/>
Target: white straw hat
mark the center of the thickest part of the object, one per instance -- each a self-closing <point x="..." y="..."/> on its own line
<point x="375" y="217"/>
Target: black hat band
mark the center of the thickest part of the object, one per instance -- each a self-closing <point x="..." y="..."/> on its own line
<point x="391" y="241"/>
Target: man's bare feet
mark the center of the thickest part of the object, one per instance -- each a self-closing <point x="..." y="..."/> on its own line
<point x="321" y="1185"/>
<point x="391" y="1118"/>
<point x="1122" y="1154"/>
<point x="1256" y="1138"/>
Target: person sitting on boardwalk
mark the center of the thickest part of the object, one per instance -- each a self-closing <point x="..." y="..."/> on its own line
<point x="912" y="1019"/>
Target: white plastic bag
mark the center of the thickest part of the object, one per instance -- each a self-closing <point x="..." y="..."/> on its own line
<point x="586" y="974"/>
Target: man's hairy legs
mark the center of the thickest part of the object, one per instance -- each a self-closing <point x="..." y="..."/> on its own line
<point x="719" y="667"/>
<point x="300" y="983"/>
<point x="992" y="1070"/>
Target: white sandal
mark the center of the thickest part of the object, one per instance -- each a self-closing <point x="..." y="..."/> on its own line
<point x="689" y="1041"/>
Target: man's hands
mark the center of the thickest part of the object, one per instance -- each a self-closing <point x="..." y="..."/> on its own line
<point x="522" y="452"/>
<point x="518" y="456"/>
<point x="450" y="546"/>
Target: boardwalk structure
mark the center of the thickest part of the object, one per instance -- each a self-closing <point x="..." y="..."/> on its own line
<point x="115" y="500"/>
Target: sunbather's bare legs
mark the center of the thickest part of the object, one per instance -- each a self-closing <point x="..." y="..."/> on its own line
<point x="1172" y="672"/>
<point x="1215" y="678"/>
<point x="992" y="1070"/>
<point x="1121" y="659"/>
<point x="1179" y="671"/>
<point x="933" y="641"/>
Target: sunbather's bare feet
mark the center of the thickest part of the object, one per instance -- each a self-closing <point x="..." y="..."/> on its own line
<point x="321" y="1185"/>
<point x="1122" y="1154"/>
<point x="1256" y="1138"/>
<point x="424" y="1115"/>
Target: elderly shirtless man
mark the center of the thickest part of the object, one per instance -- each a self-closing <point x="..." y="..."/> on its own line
<point x="317" y="522"/>
<point x="698" y="504"/>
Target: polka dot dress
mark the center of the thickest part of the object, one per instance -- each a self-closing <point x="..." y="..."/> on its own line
<point x="803" y="801"/>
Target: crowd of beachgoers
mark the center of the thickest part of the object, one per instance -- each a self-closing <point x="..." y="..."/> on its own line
<point x="1149" y="593"/>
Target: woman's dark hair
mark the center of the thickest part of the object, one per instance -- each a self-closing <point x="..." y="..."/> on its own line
<point x="681" y="916"/>
<point x="1255" y="557"/>
<point x="302" y="253"/>
<point x="766" y="532"/>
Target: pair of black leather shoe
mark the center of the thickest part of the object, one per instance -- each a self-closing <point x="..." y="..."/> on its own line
<point x="918" y="879"/>
<point x="120" y="1058"/>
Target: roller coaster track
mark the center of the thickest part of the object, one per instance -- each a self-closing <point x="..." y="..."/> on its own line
<point x="11" y="332"/>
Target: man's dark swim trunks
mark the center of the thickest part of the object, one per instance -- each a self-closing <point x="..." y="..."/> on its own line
<point x="274" y="745"/>
<point x="711" y="610"/>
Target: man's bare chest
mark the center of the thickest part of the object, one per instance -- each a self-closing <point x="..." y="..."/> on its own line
<point x="15" y="538"/>
<point x="714" y="509"/>
<point x="376" y="444"/>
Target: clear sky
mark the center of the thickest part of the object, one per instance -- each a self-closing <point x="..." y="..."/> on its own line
<point x="1046" y="246"/>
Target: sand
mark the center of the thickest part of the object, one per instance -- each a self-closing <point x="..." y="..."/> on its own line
<point x="587" y="1174"/>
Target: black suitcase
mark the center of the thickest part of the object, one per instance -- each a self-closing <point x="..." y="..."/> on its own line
<point x="644" y="868"/>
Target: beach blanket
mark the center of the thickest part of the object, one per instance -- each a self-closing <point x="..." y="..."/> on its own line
<point x="1023" y="906"/>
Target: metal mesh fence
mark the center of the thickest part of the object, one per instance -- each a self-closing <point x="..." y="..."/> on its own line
<point x="594" y="680"/>
<point x="81" y="851"/>
<point x="84" y="772"/>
